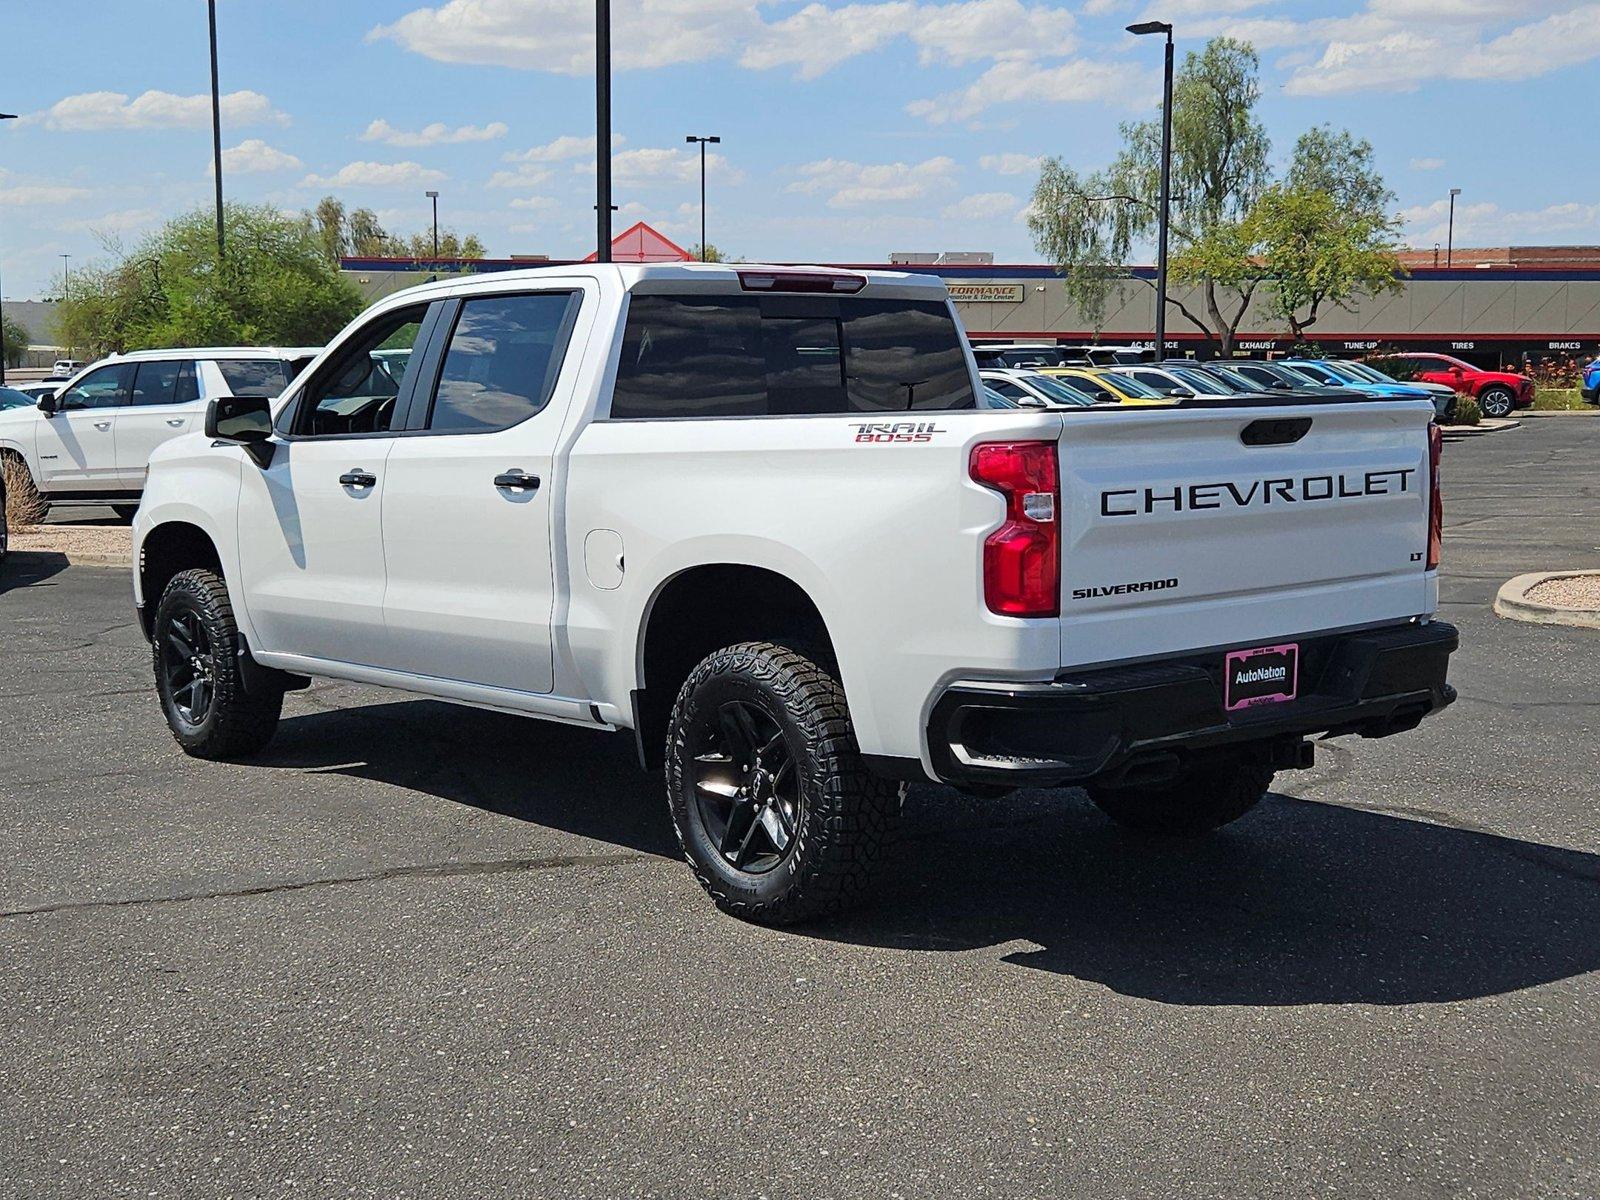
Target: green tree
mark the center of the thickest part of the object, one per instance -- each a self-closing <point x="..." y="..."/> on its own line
<point x="364" y="236"/>
<point x="276" y="285"/>
<point x="328" y="220"/>
<point x="1087" y="222"/>
<point x="712" y="253"/>
<point x="1326" y="236"/>
<point x="16" y="338"/>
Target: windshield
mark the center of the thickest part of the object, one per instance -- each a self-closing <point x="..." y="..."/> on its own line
<point x="1318" y="372"/>
<point x="1136" y="389"/>
<point x="1059" y="391"/>
<point x="11" y="398"/>
<point x="1203" y="381"/>
<point x="1239" y="378"/>
<point x="1359" y="370"/>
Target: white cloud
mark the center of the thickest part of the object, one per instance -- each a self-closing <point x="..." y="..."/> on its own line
<point x="817" y="38"/>
<point x="651" y="164"/>
<point x="435" y="134"/>
<point x="29" y="195"/>
<point x="376" y="174"/>
<point x="121" y="221"/>
<point x="982" y="206"/>
<point x="1011" y="163"/>
<point x="853" y="184"/>
<point x="1028" y="83"/>
<point x="564" y="147"/>
<point x="558" y="35"/>
<point x="522" y="177"/>
<point x="1426" y="164"/>
<point x="154" y="110"/>
<point x="535" y="203"/>
<point x="1487" y="224"/>
<point x="253" y="157"/>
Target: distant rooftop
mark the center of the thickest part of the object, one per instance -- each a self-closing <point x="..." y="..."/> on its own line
<point x="1546" y="257"/>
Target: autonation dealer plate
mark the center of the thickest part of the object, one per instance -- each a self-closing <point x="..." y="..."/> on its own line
<point x="1265" y="675"/>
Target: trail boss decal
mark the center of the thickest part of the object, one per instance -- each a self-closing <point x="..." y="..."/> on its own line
<point x="1307" y="489"/>
<point x="895" y="431"/>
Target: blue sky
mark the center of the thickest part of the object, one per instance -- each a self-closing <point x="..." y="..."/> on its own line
<point x="849" y="129"/>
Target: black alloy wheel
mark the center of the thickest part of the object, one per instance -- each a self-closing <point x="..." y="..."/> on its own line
<point x="189" y="666"/>
<point x="746" y="790"/>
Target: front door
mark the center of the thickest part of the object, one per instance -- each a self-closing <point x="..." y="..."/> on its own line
<point x="165" y="404"/>
<point x="466" y="510"/>
<point x="310" y="524"/>
<point x="77" y="445"/>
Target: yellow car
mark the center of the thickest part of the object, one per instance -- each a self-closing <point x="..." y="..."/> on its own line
<point x="1108" y="386"/>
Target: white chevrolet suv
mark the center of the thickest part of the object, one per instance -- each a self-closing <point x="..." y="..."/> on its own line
<point x="756" y="516"/>
<point x="91" y="438"/>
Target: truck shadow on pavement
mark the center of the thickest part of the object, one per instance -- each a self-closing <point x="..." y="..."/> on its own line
<point x="25" y="568"/>
<point x="1298" y="903"/>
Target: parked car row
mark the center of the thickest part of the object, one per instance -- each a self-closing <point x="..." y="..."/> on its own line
<point x="90" y="437"/>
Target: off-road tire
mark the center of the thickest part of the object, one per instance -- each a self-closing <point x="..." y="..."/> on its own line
<point x="125" y="512"/>
<point x="1202" y="798"/>
<point x="238" y="723"/>
<point x="846" y="814"/>
<point x="1497" y="402"/>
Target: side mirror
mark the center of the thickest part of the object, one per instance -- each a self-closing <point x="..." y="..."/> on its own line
<point x="243" y="421"/>
<point x="49" y="402"/>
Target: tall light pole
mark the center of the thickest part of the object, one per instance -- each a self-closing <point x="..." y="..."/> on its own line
<point x="1450" y="236"/>
<point x="66" y="286"/>
<point x="602" y="129"/>
<point x="704" y="142"/>
<point x="1147" y="27"/>
<point x="216" y="123"/>
<point x="434" y="196"/>
<point x="3" y="117"/>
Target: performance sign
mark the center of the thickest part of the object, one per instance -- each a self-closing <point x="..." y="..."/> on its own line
<point x="986" y="293"/>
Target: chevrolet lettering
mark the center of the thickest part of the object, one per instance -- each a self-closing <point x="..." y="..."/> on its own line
<point x="1194" y="497"/>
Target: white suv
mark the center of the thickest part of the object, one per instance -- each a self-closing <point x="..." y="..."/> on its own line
<point x="91" y="439"/>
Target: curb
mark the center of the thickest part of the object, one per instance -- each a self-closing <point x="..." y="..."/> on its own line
<point x="1591" y="410"/>
<point x="1512" y="602"/>
<point x="24" y="553"/>
<point x="1487" y="426"/>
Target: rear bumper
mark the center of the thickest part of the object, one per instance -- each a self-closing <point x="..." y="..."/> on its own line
<point x="1591" y="392"/>
<point x="1117" y="722"/>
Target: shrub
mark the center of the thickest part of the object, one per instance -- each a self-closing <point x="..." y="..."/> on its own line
<point x="1467" y="412"/>
<point x="24" y="506"/>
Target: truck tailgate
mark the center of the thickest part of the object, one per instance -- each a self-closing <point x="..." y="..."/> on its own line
<point x="1192" y="528"/>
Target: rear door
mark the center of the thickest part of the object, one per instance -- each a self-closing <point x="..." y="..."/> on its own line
<point x="164" y="404"/>
<point x="1194" y="528"/>
<point x="467" y="505"/>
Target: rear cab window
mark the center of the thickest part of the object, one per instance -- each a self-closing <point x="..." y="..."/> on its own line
<point x="735" y="355"/>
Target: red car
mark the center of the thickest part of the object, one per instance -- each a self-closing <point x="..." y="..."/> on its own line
<point x="1498" y="393"/>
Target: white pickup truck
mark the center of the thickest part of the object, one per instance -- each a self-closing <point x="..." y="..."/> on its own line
<point x="754" y="515"/>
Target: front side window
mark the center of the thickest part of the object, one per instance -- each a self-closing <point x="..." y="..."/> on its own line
<point x="355" y="391"/>
<point x="104" y="388"/>
<point x="261" y="377"/>
<point x="502" y="363"/>
<point x="727" y="356"/>
<point x="165" y="382"/>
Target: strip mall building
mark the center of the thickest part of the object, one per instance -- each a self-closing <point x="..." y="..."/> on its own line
<point x="1503" y="307"/>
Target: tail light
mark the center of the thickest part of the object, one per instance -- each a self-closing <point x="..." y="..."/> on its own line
<point x="1022" y="559"/>
<point x="1435" y="496"/>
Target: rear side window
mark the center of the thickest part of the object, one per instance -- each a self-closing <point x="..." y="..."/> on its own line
<point x="168" y="382"/>
<point x="503" y="360"/>
<point x="727" y="356"/>
<point x="253" y="376"/>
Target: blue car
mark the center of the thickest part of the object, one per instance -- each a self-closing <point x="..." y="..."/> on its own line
<point x="1362" y="378"/>
<point x="1591" y="383"/>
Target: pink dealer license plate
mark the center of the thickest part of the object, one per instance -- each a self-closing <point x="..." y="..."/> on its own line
<point x="1265" y="675"/>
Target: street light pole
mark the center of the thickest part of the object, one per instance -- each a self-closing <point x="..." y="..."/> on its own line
<point x="1147" y="27"/>
<point x="66" y="283"/>
<point x="434" y="196"/>
<point x="602" y="122"/>
<point x="1450" y="236"/>
<point x="216" y="123"/>
<point x="3" y="117"/>
<point x="704" y="142"/>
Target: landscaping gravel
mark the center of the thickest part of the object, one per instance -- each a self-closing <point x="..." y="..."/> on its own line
<point x="1568" y="591"/>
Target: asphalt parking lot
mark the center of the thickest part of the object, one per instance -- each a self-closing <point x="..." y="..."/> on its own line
<point x="418" y="950"/>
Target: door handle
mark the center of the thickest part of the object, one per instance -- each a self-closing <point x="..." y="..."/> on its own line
<point x="175" y="422"/>
<point x="517" y="481"/>
<point x="102" y="424"/>
<point x="358" y="479"/>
